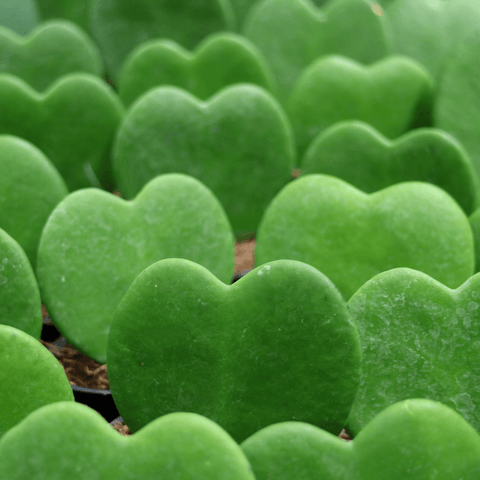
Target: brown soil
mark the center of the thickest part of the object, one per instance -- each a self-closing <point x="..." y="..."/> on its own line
<point x="244" y="253"/>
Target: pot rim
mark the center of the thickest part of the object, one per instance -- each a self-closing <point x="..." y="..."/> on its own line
<point x="116" y="420"/>
<point x="98" y="391"/>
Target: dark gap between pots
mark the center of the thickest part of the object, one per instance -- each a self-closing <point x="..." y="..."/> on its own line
<point x="99" y="400"/>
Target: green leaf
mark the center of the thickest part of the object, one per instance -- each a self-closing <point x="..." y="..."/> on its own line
<point x="277" y="345"/>
<point x="95" y="244"/>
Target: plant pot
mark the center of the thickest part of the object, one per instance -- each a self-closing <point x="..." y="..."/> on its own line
<point x="50" y="333"/>
<point x="98" y="399"/>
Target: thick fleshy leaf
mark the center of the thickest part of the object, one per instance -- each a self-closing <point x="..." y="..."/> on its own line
<point x="475" y="225"/>
<point x="118" y="26"/>
<point x="458" y="98"/>
<point x="31" y="377"/>
<point x="72" y="123"/>
<point x="359" y="154"/>
<point x="393" y="96"/>
<point x="94" y="245"/>
<point x="242" y="8"/>
<point x="276" y="345"/>
<point x="70" y="440"/>
<point x="239" y="144"/>
<point x="20" y="304"/>
<point x="420" y="339"/>
<point x="76" y="11"/>
<point x="53" y="49"/>
<point x="352" y="236"/>
<point x="415" y="439"/>
<point x="424" y="29"/>
<point x="292" y="34"/>
<point x="217" y="62"/>
<point x="20" y="16"/>
<point x="30" y="188"/>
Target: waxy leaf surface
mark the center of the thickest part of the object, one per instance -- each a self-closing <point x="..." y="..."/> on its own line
<point x="276" y="345"/>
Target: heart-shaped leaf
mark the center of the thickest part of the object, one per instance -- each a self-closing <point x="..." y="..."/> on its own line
<point x="351" y="236"/>
<point x="20" y="304"/>
<point x="70" y="440"/>
<point x="392" y="95"/>
<point x="475" y="225"/>
<point x="53" y="49"/>
<point x="424" y="29"/>
<point x="292" y="34"/>
<point x="76" y="11"/>
<point x="276" y="345"/>
<point x="458" y="98"/>
<point x="415" y="439"/>
<point x="239" y="144"/>
<point x="218" y="61"/>
<point x="362" y="156"/>
<point x="21" y="16"/>
<point x="241" y="9"/>
<point x="95" y="244"/>
<point x="288" y="450"/>
<point x="419" y="339"/>
<point x="73" y="123"/>
<point x="380" y="3"/>
<point x="118" y="26"/>
<point x="30" y="377"/>
<point x="30" y="188"/>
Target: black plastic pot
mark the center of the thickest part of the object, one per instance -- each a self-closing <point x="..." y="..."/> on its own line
<point x="117" y="420"/>
<point x="99" y="400"/>
<point x="238" y="276"/>
<point x="49" y="331"/>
